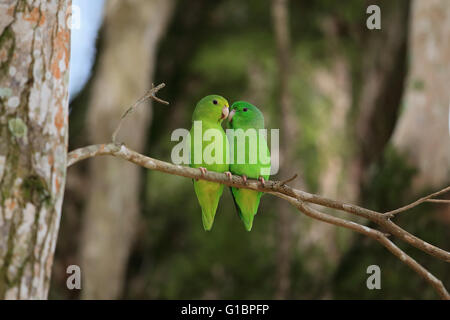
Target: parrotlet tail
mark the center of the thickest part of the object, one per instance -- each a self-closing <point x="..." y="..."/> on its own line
<point x="247" y="203"/>
<point x="208" y="195"/>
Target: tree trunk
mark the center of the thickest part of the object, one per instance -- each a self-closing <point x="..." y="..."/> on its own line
<point x="422" y="133"/>
<point x="34" y="63"/>
<point x="131" y="33"/>
<point x="384" y="71"/>
<point x="288" y="138"/>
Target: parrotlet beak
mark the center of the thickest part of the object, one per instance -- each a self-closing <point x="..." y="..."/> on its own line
<point x="225" y="112"/>
<point x="230" y="116"/>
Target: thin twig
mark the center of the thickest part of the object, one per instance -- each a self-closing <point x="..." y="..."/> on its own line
<point x="416" y="203"/>
<point x="289" y="180"/>
<point x="151" y="94"/>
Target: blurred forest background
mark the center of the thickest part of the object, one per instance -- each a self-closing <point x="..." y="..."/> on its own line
<point x="364" y="118"/>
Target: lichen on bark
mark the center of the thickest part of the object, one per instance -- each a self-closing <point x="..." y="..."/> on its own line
<point x="34" y="63"/>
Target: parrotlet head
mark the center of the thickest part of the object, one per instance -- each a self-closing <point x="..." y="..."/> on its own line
<point x="244" y="115"/>
<point x="211" y="108"/>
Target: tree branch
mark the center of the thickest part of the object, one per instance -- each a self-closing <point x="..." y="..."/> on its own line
<point x="296" y="197"/>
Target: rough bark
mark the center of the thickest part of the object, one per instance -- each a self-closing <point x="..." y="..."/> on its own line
<point x="131" y="33"/>
<point x="422" y="133"/>
<point x="34" y="62"/>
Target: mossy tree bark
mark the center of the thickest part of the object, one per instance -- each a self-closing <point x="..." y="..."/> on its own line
<point x="34" y="64"/>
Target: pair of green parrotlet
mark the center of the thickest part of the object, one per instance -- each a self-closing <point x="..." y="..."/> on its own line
<point x="210" y="112"/>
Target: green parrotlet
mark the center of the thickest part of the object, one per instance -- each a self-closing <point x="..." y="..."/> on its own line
<point x="245" y="116"/>
<point x="209" y="151"/>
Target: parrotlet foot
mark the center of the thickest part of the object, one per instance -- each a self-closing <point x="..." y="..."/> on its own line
<point x="263" y="182"/>
<point x="229" y="175"/>
<point x="203" y="171"/>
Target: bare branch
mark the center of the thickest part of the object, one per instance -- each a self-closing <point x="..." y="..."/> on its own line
<point x="296" y="197"/>
<point x="151" y="94"/>
<point x="381" y="219"/>
<point x="280" y="190"/>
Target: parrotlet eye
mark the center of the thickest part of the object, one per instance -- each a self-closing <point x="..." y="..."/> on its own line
<point x="245" y="109"/>
<point x="215" y="101"/>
